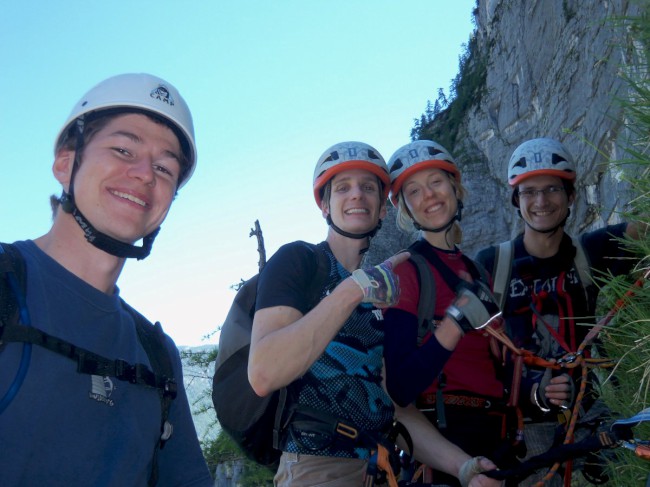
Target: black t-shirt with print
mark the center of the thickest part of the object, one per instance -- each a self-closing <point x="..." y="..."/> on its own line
<point x="346" y="380"/>
<point x="547" y="309"/>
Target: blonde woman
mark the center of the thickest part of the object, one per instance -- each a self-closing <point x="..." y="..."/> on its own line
<point x="447" y="368"/>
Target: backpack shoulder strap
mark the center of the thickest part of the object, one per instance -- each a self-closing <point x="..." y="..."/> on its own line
<point x="482" y="272"/>
<point x="476" y="270"/>
<point x="582" y="264"/>
<point x="13" y="282"/>
<point x="427" y="297"/>
<point x="153" y="341"/>
<point x="504" y="252"/>
<point x="11" y="260"/>
<point x="321" y="274"/>
<point x="320" y="278"/>
<point x="13" y="279"/>
<point x="13" y="310"/>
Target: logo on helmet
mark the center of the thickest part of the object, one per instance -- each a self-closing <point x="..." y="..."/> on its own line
<point x="161" y="93"/>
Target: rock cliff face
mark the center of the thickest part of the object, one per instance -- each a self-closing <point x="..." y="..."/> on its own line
<point x="553" y="70"/>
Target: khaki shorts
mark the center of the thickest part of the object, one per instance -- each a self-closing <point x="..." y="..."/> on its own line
<point x="298" y="470"/>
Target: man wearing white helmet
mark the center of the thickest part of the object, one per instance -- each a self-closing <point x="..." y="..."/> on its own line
<point x="91" y="393"/>
<point x="328" y="351"/>
<point x="543" y="281"/>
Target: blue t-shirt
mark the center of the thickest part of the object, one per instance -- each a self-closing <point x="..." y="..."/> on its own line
<point x="64" y="428"/>
<point x="346" y="381"/>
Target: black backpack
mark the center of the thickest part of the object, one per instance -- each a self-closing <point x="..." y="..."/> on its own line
<point x="14" y="327"/>
<point x="253" y="422"/>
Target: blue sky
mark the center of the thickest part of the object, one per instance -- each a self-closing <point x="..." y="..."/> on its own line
<point x="271" y="85"/>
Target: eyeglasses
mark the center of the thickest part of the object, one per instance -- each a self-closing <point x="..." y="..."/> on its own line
<point x="534" y="193"/>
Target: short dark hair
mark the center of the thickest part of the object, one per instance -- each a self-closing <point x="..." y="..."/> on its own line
<point x="98" y="120"/>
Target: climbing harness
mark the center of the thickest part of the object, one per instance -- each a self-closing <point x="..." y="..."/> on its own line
<point x="574" y="360"/>
<point x="314" y="430"/>
<point x="619" y="434"/>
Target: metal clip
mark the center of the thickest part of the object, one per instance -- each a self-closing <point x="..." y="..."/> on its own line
<point x="347" y="430"/>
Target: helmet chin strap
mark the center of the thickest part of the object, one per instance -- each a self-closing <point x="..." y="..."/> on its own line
<point x="98" y="239"/>
<point x="457" y="217"/>
<point x="356" y="236"/>
<point x="101" y="240"/>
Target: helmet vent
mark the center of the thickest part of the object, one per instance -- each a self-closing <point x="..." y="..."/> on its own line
<point x="520" y="163"/>
<point x="334" y="156"/>
<point x="396" y="166"/>
<point x="433" y="151"/>
<point x="556" y="159"/>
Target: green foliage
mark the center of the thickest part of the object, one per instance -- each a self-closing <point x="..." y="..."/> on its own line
<point x="628" y="336"/>
<point x="640" y="29"/>
<point x="256" y="475"/>
<point x="224" y="450"/>
<point x="202" y="359"/>
<point x="220" y="449"/>
<point x="201" y="363"/>
<point x="442" y="120"/>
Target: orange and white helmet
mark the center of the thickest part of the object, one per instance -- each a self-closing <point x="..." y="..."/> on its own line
<point x="142" y="92"/>
<point x="349" y="155"/>
<point x="540" y="157"/>
<point x="413" y="157"/>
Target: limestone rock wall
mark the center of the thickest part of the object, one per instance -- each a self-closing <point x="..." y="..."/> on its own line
<point x="554" y="70"/>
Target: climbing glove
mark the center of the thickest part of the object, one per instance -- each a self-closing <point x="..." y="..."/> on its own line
<point x="469" y="469"/>
<point x="539" y="393"/>
<point x="474" y="308"/>
<point x="379" y="284"/>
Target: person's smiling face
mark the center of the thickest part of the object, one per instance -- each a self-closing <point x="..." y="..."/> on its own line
<point x="355" y="203"/>
<point x="430" y="197"/>
<point x="543" y="201"/>
<point x="128" y="175"/>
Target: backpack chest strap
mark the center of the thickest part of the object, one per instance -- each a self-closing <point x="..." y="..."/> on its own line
<point x="89" y="362"/>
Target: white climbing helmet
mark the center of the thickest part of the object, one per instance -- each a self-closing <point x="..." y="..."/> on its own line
<point x="413" y="157"/>
<point x="349" y="155"/>
<point x="145" y="92"/>
<point x="539" y="157"/>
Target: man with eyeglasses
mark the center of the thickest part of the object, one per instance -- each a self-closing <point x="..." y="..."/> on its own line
<point x="543" y="281"/>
